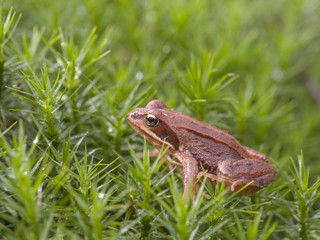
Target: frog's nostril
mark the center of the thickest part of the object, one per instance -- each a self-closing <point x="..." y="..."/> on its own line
<point x="133" y="115"/>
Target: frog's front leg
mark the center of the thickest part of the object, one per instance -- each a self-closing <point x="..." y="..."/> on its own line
<point x="190" y="171"/>
<point x="155" y="153"/>
<point x="237" y="173"/>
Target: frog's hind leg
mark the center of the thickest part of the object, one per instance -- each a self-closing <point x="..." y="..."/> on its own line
<point x="209" y="175"/>
<point x="237" y="173"/>
<point x="256" y="155"/>
<point x="234" y="185"/>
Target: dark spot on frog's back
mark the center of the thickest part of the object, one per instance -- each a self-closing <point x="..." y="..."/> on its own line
<point x="206" y="149"/>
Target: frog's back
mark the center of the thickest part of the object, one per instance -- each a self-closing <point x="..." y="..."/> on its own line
<point x="206" y="143"/>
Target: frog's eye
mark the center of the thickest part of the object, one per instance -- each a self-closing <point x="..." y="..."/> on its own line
<point x="151" y="120"/>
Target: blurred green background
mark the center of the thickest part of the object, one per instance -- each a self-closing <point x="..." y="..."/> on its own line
<point x="272" y="46"/>
<point x="249" y="67"/>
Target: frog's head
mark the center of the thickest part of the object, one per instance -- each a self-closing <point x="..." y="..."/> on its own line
<point x="151" y="122"/>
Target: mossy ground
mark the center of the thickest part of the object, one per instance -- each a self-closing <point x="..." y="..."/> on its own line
<point x="71" y="70"/>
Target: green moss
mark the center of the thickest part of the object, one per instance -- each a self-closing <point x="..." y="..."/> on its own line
<point x="71" y="70"/>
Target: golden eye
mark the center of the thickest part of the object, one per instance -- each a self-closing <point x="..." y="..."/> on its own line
<point x="151" y="120"/>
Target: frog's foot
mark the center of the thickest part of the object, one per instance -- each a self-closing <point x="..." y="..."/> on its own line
<point x="250" y="189"/>
<point x="234" y="185"/>
<point x="166" y="159"/>
<point x="152" y="153"/>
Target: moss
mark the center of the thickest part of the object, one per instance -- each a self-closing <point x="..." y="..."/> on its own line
<point x="71" y="71"/>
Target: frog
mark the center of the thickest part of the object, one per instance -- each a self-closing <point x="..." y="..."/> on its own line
<point x="202" y="150"/>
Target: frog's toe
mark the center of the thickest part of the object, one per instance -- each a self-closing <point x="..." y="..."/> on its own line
<point x="248" y="190"/>
<point x="237" y="185"/>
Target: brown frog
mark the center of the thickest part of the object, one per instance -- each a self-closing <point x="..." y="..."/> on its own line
<point x="197" y="145"/>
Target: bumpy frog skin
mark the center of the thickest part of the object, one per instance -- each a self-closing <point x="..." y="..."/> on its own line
<point x="196" y="145"/>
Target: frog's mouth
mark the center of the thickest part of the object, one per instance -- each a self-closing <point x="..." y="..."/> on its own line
<point x="135" y="120"/>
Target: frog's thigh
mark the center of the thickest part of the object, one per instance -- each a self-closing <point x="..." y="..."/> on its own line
<point x="189" y="172"/>
<point x="235" y="168"/>
<point x="245" y="171"/>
